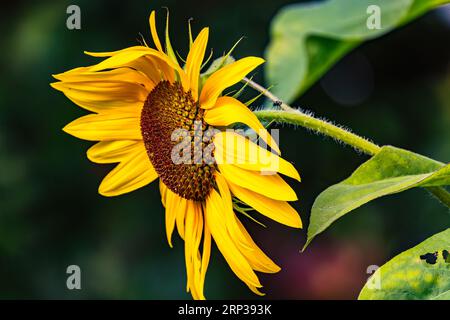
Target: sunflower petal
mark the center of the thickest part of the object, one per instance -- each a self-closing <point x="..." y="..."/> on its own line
<point x="193" y="235"/>
<point x="172" y="203"/>
<point x="120" y="74"/>
<point x="128" y="55"/>
<point x="205" y="257"/>
<point x="235" y="259"/>
<point x="233" y="148"/>
<point x="104" y="96"/>
<point x="114" y="151"/>
<point x="228" y="110"/>
<point x="180" y="217"/>
<point x="271" y="186"/>
<point x="100" y="127"/>
<point x="154" y="32"/>
<point x="132" y="173"/>
<point x="226" y="77"/>
<point x="163" y="192"/>
<point x="229" y="216"/>
<point x="258" y="260"/>
<point x="195" y="59"/>
<point x="279" y="211"/>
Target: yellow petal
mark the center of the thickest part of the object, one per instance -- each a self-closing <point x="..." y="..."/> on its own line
<point x="175" y="205"/>
<point x="155" y="69"/>
<point x="126" y="56"/>
<point x="229" y="218"/>
<point x="258" y="260"/>
<point x="228" y="110"/>
<point x="154" y="32"/>
<point x="195" y="59"/>
<point x="233" y="148"/>
<point x="120" y="74"/>
<point x="271" y="186"/>
<point x="99" y="127"/>
<point x="163" y="192"/>
<point x="152" y="67"/>
<point x="191" y="228"/>
<point x="205" y="258"/>
<point x="238" y="263"/>
<point x="112" y="53"/>
<point x="226" y="77"/>
<point x="104" y="96"/>
<point x="132" y="173"/>
<point x="279" y="211"/>
<point x="181" y="215"/>
<point x="114" y="151"/>
<point x="193" y="236"/>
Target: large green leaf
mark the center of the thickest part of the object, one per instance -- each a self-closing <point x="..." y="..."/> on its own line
<point x="422" y="272"/>
<point x="390" y="171"/>
<point x="307" y="39"/>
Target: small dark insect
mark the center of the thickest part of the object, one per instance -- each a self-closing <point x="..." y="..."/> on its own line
<point x="446" y="256"/>
<point x="430" y="258"/>
<point x="277" y="103"/>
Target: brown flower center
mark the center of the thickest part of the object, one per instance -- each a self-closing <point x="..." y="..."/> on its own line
<point x="177" y="141"/>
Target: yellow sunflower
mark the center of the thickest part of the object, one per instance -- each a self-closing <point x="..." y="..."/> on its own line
<point x="139" y="97"/>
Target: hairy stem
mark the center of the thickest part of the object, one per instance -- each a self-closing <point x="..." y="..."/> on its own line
<point x="320" y="126"/>
<point x="306" y="120"/>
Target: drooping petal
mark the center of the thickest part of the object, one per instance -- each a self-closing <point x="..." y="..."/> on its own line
<point x="126" y="56"/>
<point x="233" y="148"/>
<point x="181" y="215"/>
<point x="206" y="254"/>
<point x="193" y="236"/>
<point x="228" y="110"/>
<point x="258" y="260"/>
<point x="153" y="68"/>
<point x="172" y="203"/>
<point x="254" y="255"/>
<point x="238" y="263"/>
<point x="121" y="75"/>
<point x="104" y="96"/>
<point x="279" y="211"/>
<point x="132" y="173"/>
<point x="114" y="151"/>
<point x="271" y="186"/>
<point x="226" y="77"/>
<point x="195" y="59"/>
<point x="229" y="218"/>
<point x="106" y="127"/>
<point x="163" y="192"/>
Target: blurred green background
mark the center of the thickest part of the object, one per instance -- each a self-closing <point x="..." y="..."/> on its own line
<point x="394" y="90"/>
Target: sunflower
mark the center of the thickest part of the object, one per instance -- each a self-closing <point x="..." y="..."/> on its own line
<point x="139" y="97"/>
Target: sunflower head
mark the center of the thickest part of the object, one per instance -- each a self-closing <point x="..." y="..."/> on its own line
<point x="158" y="119"/>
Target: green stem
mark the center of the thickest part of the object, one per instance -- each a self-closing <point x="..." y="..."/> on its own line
<point x="306" y="120"/>
<point x="320" y="126"/>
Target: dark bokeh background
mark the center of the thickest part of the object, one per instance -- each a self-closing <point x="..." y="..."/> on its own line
<point x="394" y="90"/>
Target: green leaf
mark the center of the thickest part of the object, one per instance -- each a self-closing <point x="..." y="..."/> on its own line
<point x="307" y="39"/>
<point x="422" y="272"/>
<point x="390" y="171"/>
